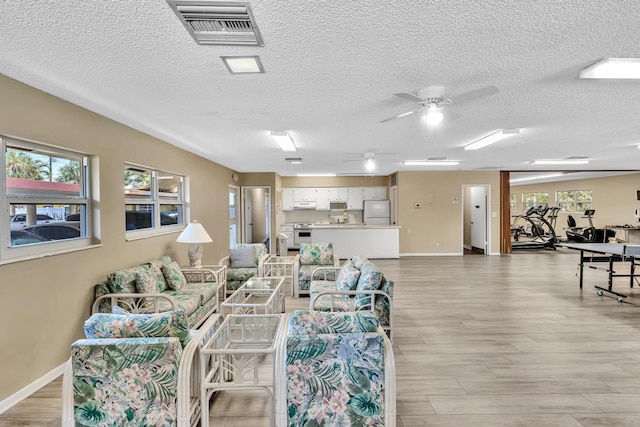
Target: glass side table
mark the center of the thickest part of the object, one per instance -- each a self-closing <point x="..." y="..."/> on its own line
<point x="281" y="266"/>
<point x="258" y="295"/>
<point x="235" y="357"/>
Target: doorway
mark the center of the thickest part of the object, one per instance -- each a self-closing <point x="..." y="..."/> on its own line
<point x="234" y="210"/>
<point x="476" y="219"/>
<point x="256" y="215"/>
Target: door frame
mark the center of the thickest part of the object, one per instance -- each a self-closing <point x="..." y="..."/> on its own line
<point x="268" y="208"/>
<point x="487" y="187"/>
<point x="238" y="218"/>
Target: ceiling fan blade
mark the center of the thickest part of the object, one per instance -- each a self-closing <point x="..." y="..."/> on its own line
<point x="409" y="97"/>
<point x="408" y="113"/>
<point x="474" y="94"/>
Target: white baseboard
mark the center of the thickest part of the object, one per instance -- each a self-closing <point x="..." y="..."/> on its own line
<point x="27" y="391"/>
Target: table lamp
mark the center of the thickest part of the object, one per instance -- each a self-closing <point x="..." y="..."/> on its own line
<point x="194" y="234"/>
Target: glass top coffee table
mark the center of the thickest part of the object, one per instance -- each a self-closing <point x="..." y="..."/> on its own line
<point x="258" y="295"/>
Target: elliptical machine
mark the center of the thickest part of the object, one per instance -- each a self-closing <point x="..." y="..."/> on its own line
<point x="535" y="229"/>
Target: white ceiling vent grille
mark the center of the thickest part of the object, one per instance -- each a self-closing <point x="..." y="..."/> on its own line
<point x="216" y="22"/>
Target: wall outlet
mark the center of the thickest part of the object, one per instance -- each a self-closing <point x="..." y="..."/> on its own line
<point x="437" y="245"/>
<point x="408" y="230"/>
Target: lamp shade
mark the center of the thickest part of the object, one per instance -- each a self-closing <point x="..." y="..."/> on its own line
<point x="194" y="233"/>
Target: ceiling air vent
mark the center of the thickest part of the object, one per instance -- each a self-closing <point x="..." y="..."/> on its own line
<point x="216" y="22"/>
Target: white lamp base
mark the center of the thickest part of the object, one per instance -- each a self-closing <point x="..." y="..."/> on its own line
<point x="195" y="256"/>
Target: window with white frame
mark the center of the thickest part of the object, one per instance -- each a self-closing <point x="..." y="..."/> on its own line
<point x="531" y="200"/>
<point x="46" y="197"/>
<point x="574" y="200"/>
<point x="513" y="201"/>
<point x="154" y="200"/>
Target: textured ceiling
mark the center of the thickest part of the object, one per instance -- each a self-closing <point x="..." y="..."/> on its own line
<point x="331" y="70"/>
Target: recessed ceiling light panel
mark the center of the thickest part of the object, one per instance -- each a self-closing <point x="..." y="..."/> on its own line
<point x="561" y="162"/>
<point x="284" y="140"/>
<point x="243" y="64"/>
<point x="430" y="163"/>
<point x="492" y="139"/>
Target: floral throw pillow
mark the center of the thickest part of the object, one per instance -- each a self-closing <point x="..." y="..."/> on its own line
<point x="316" y="254"/>
<point x="145" y="283"/>
<point x="173" y="275"/>
<point x="347" y="277"/>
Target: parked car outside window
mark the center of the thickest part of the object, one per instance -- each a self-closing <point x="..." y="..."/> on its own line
<point x="19" y="221"/>
<point x="22" y="237"/>
<point x="56" y="230"/>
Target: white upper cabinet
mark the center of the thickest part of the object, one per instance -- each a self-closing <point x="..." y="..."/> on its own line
<point x="304" y="194"/>
<point x="374" y="193"/>
<point x="338" y="194"/>
<point x="322" y="199"/>
<point x="287" y="199"/>
<point x="354" y="199"/>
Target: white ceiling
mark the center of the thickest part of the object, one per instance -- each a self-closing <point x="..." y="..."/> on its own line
<point x="332" y="68"/>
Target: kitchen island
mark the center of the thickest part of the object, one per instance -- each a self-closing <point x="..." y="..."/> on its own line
<point x="349" y="240"/>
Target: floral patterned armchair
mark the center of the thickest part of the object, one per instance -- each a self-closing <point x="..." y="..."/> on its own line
<point x="340" y="370"/>
<point x="241" y="268"/>
<point x="313" y="256"/>
<point x="135" y="370"/>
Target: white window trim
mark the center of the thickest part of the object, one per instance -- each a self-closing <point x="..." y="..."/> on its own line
<point x="155" y="200"/>
<point x="8" y="253"/>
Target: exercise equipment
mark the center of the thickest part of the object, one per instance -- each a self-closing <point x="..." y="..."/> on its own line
<point x="535" y="229"/>
<point x="588" y="234"/>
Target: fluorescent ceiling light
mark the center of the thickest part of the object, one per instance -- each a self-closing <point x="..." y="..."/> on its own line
<point x="560" y="162"/>
<point x="243" y="64"/>
<point x="531" y="178"/>
<point x="284" y="140"/>
<point x="491" y="139"/>
<point x="316" y="174"/>
<point x="613" y="68"/>
<point x="430" y="163"/>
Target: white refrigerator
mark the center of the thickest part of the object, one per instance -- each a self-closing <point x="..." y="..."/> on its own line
<point x="376" y="212"/>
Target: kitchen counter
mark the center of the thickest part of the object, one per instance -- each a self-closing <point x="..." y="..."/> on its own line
<point x="349" y="240"/>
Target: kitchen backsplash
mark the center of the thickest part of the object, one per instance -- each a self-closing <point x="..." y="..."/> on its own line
<point x="311" y="216"/>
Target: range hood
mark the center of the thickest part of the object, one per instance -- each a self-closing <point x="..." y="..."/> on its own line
<point x="304" y="205"/>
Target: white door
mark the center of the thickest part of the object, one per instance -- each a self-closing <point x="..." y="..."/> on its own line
<point x="247" y="217"/>
<point x="479" y="218"/>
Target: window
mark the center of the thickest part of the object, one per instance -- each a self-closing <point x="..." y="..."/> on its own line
<point x="531" y="200"/>
<point x="154" y="200"/>
<point x="574" y="200"/>
<point x="46" y="197"/>
<point x="513" y="202"/>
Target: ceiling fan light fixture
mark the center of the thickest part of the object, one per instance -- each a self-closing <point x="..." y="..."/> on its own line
<point x="369" y="164"/>
<point x="433" y="116"/>
<point x="284" y="140"/>
<point x="613" y="68"/>
<point x="492" y="139"/>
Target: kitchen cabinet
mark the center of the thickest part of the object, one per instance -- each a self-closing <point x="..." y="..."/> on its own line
<point x="322" y="199"/>
<point x="304" y="194"/>
<point x="354" y="199"/>
<point x="374" y="193"/>
<point x="369" y="241"/>
<point x="338" y="194"/>
<point x="287" y="199"/>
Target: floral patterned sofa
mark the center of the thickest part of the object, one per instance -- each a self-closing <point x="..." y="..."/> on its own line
<point x="162" y="285"/>
<point x="239" y="268"/>
<point x="135" y="370"/>
<point x="340" y="370"/>
<point x="313" y="256"/>
<point x="358" y="285"/>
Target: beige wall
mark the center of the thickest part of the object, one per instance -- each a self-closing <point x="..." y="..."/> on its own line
<point x="614" y="199"/>
<point x="437" y="226"/>
<point x="44" y="302"/>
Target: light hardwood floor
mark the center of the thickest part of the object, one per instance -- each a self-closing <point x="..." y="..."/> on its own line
<point x="483" y="342"/>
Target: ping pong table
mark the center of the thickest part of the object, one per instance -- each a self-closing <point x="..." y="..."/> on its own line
<point x="591" y="253"/>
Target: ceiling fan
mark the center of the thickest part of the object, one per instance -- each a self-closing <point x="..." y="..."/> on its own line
<point x="368" y="158"/>
<point x="431" y="99"/>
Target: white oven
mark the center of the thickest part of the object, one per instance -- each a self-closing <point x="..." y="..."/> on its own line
<point x="301" y="234"/>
